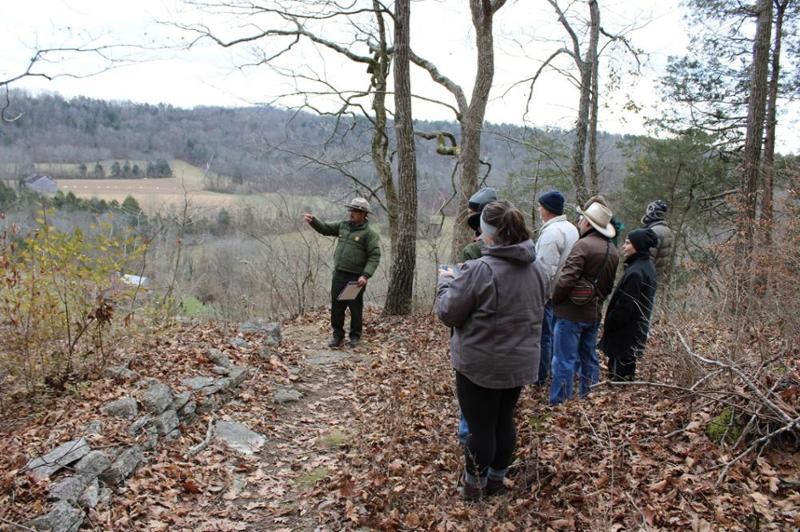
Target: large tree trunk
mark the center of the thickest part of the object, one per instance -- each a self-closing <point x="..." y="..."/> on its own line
<point x="586" y="123"/>
<point x="768" y="164"/>
<point x="756" y="111"/>
<point x="581" y="124"/>
<point x="472" y="120"/>
<point x="404" y="254"/>
<point x="594" y="91"/>
<point x="380" y="138"/>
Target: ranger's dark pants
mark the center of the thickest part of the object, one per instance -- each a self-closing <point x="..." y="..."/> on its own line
<point x="339" y="281"/>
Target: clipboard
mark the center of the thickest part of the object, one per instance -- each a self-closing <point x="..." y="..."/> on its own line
<point x="349" y="292"/>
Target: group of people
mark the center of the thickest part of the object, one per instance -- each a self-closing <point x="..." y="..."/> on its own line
<point x="522" y="312"/>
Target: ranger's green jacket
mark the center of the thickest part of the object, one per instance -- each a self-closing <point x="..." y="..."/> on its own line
<point x="358" y="249"/>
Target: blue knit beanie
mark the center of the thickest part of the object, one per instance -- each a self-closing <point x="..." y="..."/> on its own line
<point x="553" y="201"/>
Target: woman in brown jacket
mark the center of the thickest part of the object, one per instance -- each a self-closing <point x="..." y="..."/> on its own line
<point x="495" y="305"/>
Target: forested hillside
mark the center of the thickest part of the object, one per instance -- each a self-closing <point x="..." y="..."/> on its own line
<point x="267" y="148"/>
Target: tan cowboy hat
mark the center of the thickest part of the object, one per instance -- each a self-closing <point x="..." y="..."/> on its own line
<point x="358" y="204"/>
<point x="599" y="217"/>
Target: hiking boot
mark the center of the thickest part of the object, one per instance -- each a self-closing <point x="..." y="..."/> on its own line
<point x="495" y="487"/>
<point x="470" y="493"/>
<point x="335" y="341"/>
<point x="353" y="342"/>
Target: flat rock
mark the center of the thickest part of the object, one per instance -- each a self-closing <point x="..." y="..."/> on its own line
<point x="139" y="424"/>
<point x="266" y="352"/>
<point x="125" y="408"/>
<point x="68" y="489"/>
<point x="217" y="386"/>
<point x="209" y="404"/>
<point x="268" y="329"/>
<point x="237" y="375"/>
<point x="62" y="518"/>
<point x="63" y="455"/>
<point x="238" y="437"/>
<point x="180" y="400"/>
<point x="157" y="398"/>
<point x="93" y="427"/>
<point x="91" y="465"/>
<point x="150" y="440"/>
<point x="166" y="422"/>
<point x="220" y="370"/>
<point x="91" y="495"/>
<point x="239" y="342"/>
<point x="124" y="465"/>
<point x="218" y="357"/>
<point x="198" y="383"/>
<point x="327" y="357"/>
<point x="121" y="373"/>
<point x="188" y="412"/>
<point x="286" y="395"/>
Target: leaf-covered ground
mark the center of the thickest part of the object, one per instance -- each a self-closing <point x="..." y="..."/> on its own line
<point x="372" y="444"/>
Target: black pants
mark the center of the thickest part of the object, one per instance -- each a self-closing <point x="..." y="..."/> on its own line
<point x="339" y="281"/>
<point x="490" y="417"/>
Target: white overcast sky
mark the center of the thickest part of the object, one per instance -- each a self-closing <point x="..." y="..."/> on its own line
<point x="526" y="32"/>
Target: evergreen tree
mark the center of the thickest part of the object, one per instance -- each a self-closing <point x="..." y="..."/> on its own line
<point x="130" y="205"/>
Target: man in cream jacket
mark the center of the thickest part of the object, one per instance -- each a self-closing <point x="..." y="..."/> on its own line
<point x="556" y="238"/>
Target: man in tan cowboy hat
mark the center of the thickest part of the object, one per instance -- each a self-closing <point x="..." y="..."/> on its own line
<point x="583" y="283"/>
<point x="355" y="259"/>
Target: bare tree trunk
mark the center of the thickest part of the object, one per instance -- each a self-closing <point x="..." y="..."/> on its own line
<point x="768" y="164"/>
<point x="380" y="139"/>
<point x="587" y="102"/>
<point x="594" y="90"/>
<point x="472" y="120"/>
<point x="404" y="254"/>
<point x="752" y="146"/>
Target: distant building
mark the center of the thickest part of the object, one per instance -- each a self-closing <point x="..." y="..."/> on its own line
<point x="41" y="184"/>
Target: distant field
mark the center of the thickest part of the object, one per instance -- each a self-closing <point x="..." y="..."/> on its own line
<point x="158" y="194"/>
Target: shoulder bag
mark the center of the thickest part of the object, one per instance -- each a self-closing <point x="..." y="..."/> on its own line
<point x="585" y="291"/>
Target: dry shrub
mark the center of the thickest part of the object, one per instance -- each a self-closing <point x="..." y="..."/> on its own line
<point x="60" y="301"/>
<point x="733" y="336"/>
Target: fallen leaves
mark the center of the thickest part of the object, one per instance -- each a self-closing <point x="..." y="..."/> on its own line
<point x="373" y="444"/>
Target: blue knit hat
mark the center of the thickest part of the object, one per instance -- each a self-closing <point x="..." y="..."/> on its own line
<point x="553" y="201"/>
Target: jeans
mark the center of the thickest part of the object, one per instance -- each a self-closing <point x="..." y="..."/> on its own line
<point x="546" y="346"/>
<point x="573" y="351"/>
<point x="463" y="429"/>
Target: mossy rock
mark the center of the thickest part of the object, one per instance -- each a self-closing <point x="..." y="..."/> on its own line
<point x="724" y="428"/>
<point x="336" y="438"/>
<point x="307" y="480"/>
<point x="541" y="422"/>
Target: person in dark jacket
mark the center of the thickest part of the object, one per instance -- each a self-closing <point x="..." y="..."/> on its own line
<point x="593" y="259"/>
<point x="355" y="259"/>
<point x="477" y="202"/>
<point x="495" y="306"/>
<point x="655" y="218"/>
<point x="628" y="315"/>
